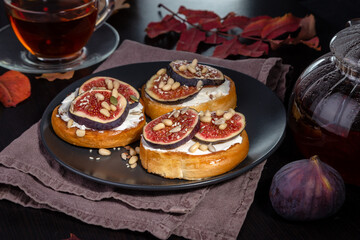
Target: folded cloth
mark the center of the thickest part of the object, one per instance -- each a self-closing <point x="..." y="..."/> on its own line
<point x="30" y="177"/>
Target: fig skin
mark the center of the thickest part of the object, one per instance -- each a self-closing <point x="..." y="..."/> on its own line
<point x="307" y="189"/>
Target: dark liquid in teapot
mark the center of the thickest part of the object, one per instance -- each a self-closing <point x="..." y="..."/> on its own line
<point x="329" y="128"/>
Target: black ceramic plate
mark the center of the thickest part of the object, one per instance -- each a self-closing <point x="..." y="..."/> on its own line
<point x="265" y="117"/>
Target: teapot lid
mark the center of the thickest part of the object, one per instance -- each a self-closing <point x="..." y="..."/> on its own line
<point x="345" y="46"/>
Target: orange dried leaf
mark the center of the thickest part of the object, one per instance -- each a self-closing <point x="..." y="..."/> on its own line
<point x="14" y="88"/>
<point x="280" y="25"/>
<point x="52" y="76"/>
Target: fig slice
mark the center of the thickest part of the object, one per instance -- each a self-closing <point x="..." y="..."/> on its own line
<point x="161" y="88"/>
<point x="125" y="89"/>
<point x="172" y="129"/>
<point x="190" y="73"/>
<point x="215" y="127"/>
<point x="99" y="109"/>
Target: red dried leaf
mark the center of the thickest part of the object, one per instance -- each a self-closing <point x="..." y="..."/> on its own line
<point x="190" y="39"/>
<point x="168" y="23"/>
<point x="312" y="43"/>
<point x="255" y="28"/>
<point x="14" y="88"/>
<point x="229" y="47"/>
<point x="196" y="16"/>
<point x="233" y="21"/>
<point x="280" y="25"/>
<point x="214" y="39"/>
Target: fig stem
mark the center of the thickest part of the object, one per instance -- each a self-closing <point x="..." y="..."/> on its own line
<point x="316" y="160"/>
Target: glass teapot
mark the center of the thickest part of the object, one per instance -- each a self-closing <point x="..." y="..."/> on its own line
<point x="324" y="110"/>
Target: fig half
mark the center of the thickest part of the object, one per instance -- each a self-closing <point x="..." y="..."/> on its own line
<point x="128" y="91"/>
<point x="99" y="109"/>
<point x="190" y="73"/>
<point x="220" y="126"/>
<point x="161" y="88"/>
<point x="172" y="129"/>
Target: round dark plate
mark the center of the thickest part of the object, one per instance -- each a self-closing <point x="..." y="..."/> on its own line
<point x="265" y="118"/>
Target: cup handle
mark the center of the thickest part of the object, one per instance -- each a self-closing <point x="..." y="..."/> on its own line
<point x="105" y="13"/>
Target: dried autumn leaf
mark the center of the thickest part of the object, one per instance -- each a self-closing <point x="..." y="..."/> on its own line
<point x="280" y="25"/>
<point x="232" y="21"/>
<point x="207" y="20"/>
<point x="229" y="47"/>
<point x="190" y="39"/>
<point x="167" y="24"/>
<point x="53" y="76"/>
<point x="214" y="38"/>
<point x="255" y="28"/>
<point x="14" y="88"/>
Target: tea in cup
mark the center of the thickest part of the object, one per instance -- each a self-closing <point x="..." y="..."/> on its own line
<point x="55" y="30"/>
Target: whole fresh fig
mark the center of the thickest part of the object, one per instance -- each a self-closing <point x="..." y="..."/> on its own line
<point x="307" y="189"/>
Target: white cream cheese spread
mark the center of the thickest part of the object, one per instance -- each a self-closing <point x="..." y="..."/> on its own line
<point x="185" y="147"/>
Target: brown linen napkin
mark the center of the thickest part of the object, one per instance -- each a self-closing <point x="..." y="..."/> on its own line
<point x="30" y="177"/>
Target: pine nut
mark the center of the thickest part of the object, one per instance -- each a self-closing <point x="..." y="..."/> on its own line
<point x="109" y="84"/>
<point x="219" y="112"/>
<point x="205" y="119"/>
<point x="232" y="111"/>
<point x="105" y="112"/>
<point x="161" y="84"/>
<point x="175" y="129"/>
<point x="211" y="148"/>
<point x="203" y="147"/>
<point x="166" y="87"/>
<point x="99" y="96"/>
<point x="104" y="152"/>
<point x="124" y="156"/>
<point x="170" y="81"/>
<point x="132" y="152"/>
<point x="204" y="70"/>
<point x="80" y="132"/>
<point x="113" y="107"/>
<point x="167" y="122"/>
<point x="159" y="126"/>
<point x="105" y="105"/>
<point x="227" y="115"/>
<point x="199" y="84"/>
<point x="70" y="123"/>
<point x="133" y="160"/>
<point x="194" y="63"/>
<point x="176" y="114"/>
<point x="137" y="150"/>
<point x="133" y="165"/>
<point x="116" y="85"/>
<point x="182" y="68"/>
<point x="222" y="126"/>
<point x="176" y="85"/>
<point x="161" y="71"/>
<point x="115" y="93"/>
<point x="194" y="147"/>
<point x="201" y="114"/>
<point x="191" y="69"/>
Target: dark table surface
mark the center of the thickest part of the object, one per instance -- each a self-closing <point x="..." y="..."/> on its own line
<point x="17" y="222"/>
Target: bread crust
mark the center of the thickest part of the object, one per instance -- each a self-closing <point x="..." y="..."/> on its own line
<point x="155" y="109"/>
<point x="93" y="138"/>
<point x="193" y="167"/>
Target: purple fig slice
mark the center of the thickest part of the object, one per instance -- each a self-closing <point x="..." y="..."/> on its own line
<point x="161" y="88"/>
<point x="128" y="91"/>
<point x="99" y="109"/>
<point x="172" y="129"/>
<point x="190" y="73"/>
<point x="216" y="127"/>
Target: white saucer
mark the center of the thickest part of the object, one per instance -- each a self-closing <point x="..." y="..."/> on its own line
<point x="14" y="56"/>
